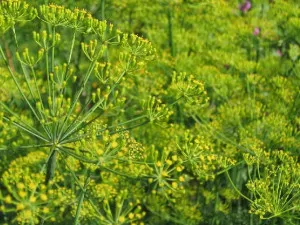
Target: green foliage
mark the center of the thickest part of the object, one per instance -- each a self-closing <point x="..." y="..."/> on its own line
<point x="186" y="113"/>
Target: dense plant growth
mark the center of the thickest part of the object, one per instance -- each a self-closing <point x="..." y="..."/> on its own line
<point x="174" y="112"/>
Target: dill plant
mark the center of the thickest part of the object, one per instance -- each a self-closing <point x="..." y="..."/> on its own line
<point x="54" y="76"/>
<point x="220" y="152"/>
<point x="75" y="160"/>
<point x="248" y="59"/>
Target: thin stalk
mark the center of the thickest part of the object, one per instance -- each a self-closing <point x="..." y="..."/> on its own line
<point x="73" y="174"/>
<point x="34" y="146"/>
<point x="288" y="193"/>
<point x="20" y="126"/>
<point x="20" y="121"/>
<point x="77" y="95"/>
<point x="71" y="129"/>
<point x="17" y="84"/>
<point x="103" y="129"/>
<point x="102" y="9"/>
<point x="80" y="114"/>
<point x="36" y="86"/>
<point x="229" y="168"/>
<point x="177" y="100"/>
<point x="116" y="172"/>
<point x="53" y="48"/>
<point x="72" y="48"/>
<point x="77" y="215"/>
<point x="69" y="60"/>
<point x="15" y="37"/>
<point x="72" y="153"/>
<point x="27" y="81"/>
<point x="170" y="32"/>
<point x="53" y="83"/>
<point x="47" y="71"/>
<point x="235" y="188"/>
<point x="130" y="128"/>
<point x="88" y="114"/>
<point x="41" y="101"/>
<point x="32" y="95"/>
<point x="129" y="121"/>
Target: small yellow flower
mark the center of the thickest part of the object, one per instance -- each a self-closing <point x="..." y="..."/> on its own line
<point x="164" y="173"/>
<point x="43" y="197"/>
<point x="22" y="194"/>
<point x="181" y="178"/>
<point x="27" y="214"/>
<point x="114" y="144"/>
<point x="32" y="199"/>
<point x="121" y="219"/>
<point x="174" y="185"/>
<point x="20" y="206"/>
<point x="169" y="162"/>
<point x="179" y="168"/>
<point x="32" y="186"/>
<point x="158" y="164"/>
<point x="20" y="186"/>
<point x="46" y="210"/>
<point x="8" y="199"/>
<point x="131" y="216"/>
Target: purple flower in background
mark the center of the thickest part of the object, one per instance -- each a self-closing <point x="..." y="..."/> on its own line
<point x="279" y="53"/>
<point x="256" y="31"/>
<point x="245" y="6"/>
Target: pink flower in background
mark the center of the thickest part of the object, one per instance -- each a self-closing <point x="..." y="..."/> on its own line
<point x="256" y="31"/>
<point x="245" y="6"/>
<point x="279" y="53"/>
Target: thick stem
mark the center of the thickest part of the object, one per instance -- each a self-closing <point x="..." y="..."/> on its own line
<point x="102" y="9"/>
<point x="51" y="165"/>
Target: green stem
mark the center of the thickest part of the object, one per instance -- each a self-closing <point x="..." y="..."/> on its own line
<point x="72" y="128"/>
<point x="128" y="121"/>
<point x="41" y="101"/>
<point x="102" y="9"/>
<point x="47" y="71"/>
<point x="20" y="121"/>
<point x="78" y="210"/>
<point x="51" y="165"/>
<point x="176" y="100"/>
<point x="22" y="127"/>
<point x="235" y="188"/>
<point x="15" y="37"/>
<point x="130" y="128"/>
<point x="170" y="32"/>
<point x="103" y="129"/>
<point x="42" y="170"/>
<point x="53" y="83"/>
<point x="77" y="95"/>
<point x="72" y="153"/>
<point x="17" y="84"/>
<point x="69" y="60"/>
